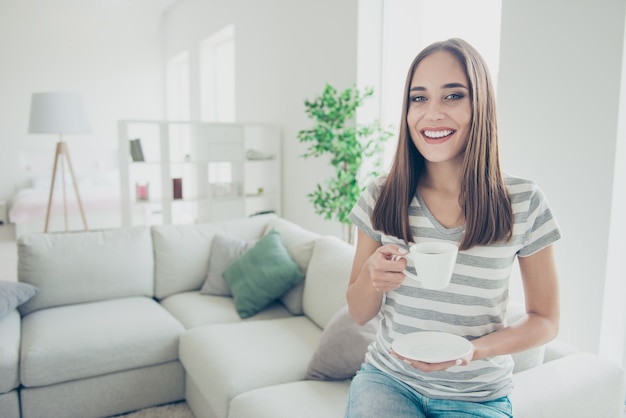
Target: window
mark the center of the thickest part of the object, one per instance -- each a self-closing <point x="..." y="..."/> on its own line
<point x="177" y="87"/>
<point x="178" y="109"/>
<point x="217" y="76"/>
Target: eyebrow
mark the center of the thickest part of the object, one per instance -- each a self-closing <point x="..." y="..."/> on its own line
<point x="445" y="86"/>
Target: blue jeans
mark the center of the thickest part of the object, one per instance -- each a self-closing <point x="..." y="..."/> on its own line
<point x="376" y="394"/>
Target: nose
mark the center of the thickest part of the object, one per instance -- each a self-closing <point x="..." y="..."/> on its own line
<point x="434" y="111"/>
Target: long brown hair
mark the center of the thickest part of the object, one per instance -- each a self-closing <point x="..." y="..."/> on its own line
<point x="484" y="199"/>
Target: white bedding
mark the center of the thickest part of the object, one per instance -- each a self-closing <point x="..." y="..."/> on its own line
<point x="31" y="204"/>
<point x="100" y="197"/>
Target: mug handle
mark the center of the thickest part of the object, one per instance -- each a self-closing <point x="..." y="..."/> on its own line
<point x="406" y="273"/>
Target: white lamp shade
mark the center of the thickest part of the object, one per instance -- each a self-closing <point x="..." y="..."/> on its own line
<point x="57" y="113"/>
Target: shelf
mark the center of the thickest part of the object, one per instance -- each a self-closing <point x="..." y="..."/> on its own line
<point x="211" y="159"/>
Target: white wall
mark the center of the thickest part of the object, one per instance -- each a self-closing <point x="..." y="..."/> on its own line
<point x="613" y="331"/>
<point x="108" y="51"/>
<point x="285" y="52"/>
<point x="559" y="85"/>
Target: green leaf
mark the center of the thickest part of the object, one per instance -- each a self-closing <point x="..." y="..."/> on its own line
<point x="336" y="133"/>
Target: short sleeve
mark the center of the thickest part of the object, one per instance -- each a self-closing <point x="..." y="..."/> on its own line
<point x="361" y="213"/>
<point x="541" y="226"/>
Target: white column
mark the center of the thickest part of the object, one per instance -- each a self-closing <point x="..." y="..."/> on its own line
<point x="558" y="93"/>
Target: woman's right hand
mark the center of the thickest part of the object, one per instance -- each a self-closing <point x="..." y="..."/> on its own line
<point x="376" y="269"/>
<point x="385" y="267"/>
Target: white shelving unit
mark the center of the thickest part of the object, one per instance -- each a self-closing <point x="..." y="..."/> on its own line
<point x="226" y="171"/>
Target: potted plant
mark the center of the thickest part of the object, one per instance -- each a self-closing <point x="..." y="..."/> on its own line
<point x="350" y="145"/>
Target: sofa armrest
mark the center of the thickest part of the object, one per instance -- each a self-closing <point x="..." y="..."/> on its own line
<point x="557" y="349"/>
<point x="578" y="385"/>
<point x="10" y="334"/>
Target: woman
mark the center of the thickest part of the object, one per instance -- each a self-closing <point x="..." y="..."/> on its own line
<point x="445" y="184"/>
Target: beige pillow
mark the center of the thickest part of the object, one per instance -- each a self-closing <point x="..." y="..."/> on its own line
<point x="342" y="347"/>
<point x="224" y="250"/>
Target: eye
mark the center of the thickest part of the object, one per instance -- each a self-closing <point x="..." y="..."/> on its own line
<point x="454" y="96"/>
<point x="417" y="99"/>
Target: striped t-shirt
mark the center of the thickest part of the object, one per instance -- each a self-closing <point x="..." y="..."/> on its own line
<point x="473" y="305"/>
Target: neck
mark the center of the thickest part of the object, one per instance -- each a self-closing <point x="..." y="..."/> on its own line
<point x="442" y="176"/>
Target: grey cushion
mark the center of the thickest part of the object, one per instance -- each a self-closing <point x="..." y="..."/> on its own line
<point x="342" y="347"/>
<point x="13" y="294"/>
<point x="224" y="249"/>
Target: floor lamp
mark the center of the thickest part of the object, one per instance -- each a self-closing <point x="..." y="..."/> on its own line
<point x="59" y="113"/>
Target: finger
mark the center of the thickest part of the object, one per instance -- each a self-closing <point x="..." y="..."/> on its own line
<point x="428" y="367"/>
<point x="433" y="367"/>
<point x="388" y="281"/>
<point x="391" y="250"/>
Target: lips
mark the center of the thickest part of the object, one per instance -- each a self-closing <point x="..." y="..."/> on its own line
<point x="434" y="136"/>
<point x="437" y="134"/>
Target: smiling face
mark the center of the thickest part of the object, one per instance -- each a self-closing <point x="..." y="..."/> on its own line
<point x="439" y="111"/>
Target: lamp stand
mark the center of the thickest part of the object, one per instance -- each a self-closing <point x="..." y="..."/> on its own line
<point x="62" y="154"/>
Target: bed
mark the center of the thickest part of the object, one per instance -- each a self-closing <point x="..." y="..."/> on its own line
<point x="97" y="178"/>
<point x="99" y="194"/>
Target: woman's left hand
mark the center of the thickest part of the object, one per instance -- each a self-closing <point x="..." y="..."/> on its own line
<point x="434" y="367"/>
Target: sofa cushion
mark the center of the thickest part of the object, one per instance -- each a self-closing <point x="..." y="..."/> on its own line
<point x="261" y="275"/>
<point x="327" y="279"/>
<point x="10" y="405"/>
<point x="342" y="348"/>
<point x="84" y="340"/>
<point x="528" y="359"/>
<point x="298" y="399"/>
<point x="106" y="395"/>
<point x="193" y="309"/>
<point x="299" y="243"/>
<point x="181" y="252"/>
<point x="86" y="266"/>
<point x="13" y="294"/>
<point x="228" y="359"/>
<point x="10" y="333"/>
<point x="579" y="385"/>
<point x="556" y="349"/>
<point x="224" y="250"/>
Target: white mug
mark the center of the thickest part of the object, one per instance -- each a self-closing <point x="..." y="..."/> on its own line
<point x="434" y="263"/>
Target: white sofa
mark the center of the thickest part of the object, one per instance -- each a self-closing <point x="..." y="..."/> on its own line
<point x="119" y="323"/>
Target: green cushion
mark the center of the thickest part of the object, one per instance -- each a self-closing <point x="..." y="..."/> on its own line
<point x="261" y="275"/>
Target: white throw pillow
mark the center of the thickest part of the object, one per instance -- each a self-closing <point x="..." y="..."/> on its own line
<point x="224" y="250"/>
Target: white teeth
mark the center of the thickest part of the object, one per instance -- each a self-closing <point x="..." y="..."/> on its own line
<point x="437" y="134"/>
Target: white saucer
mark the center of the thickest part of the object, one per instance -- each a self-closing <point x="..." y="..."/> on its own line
<point x="431" y="346"/>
